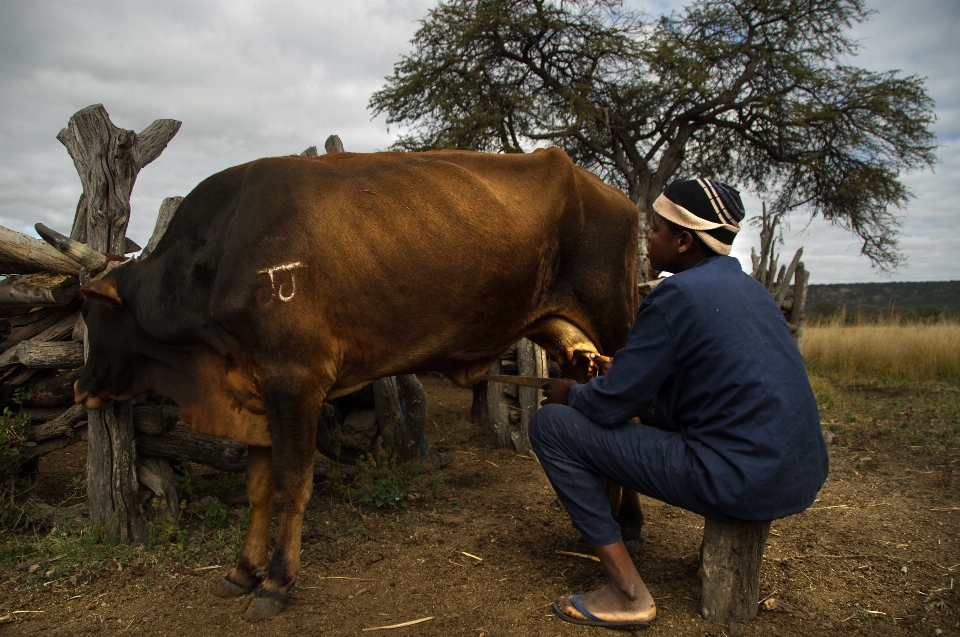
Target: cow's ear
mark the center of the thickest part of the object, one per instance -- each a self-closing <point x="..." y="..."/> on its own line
<point x="100" y="290"/>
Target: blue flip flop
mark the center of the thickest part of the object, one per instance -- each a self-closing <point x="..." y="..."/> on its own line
<point x="593" y="620"/>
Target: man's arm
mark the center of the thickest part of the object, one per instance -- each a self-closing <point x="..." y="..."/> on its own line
<point x="636" y="375"/>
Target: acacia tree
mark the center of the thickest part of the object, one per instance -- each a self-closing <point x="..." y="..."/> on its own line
<point x="754" y="92"/>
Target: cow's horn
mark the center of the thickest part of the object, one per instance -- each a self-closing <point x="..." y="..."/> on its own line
<point x="90" y="259"/>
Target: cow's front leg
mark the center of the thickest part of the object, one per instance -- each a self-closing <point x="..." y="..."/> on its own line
<point x="245" y="576"/>
<point x="293" y="425"/>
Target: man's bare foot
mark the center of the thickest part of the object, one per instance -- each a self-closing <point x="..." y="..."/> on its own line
<point x="612" y="604"/>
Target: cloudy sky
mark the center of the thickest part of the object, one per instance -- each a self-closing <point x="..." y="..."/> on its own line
<point x="255" y="78"/>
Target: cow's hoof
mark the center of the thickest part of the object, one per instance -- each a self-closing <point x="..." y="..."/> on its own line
<point x="229" y="588"/>
<point x="633" y="547"/>
<point x="266" y="606"/>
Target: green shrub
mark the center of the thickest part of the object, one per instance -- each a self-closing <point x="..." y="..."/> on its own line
<point x="14" y="455"/>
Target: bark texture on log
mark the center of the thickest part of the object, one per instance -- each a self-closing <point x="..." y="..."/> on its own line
<point x="386" y="401"/>
<point x="509" y="406"/>
<point x="22" y="254"/>
<point x="112" y="476"/>
<point x="39" y="290"/>
<point x="58" y="390"/>
<point x="333" y="145"/>
<point x="167" y="209"/>
<point x="73" y="516"/>
<point x="54" y="444"/>
<point x="52" y="355"/>
<point x="222" y="454"/>
<point x="62" y="425"/>
<point x="415" y="421"/>
<point x="155" y="420"/>
<point x="157" y="475"/>
<point x="731" y="556"/>
<point x="108" y="160"/>
<point x="531" y="361"/>
<point x="777" y="281"/>
<point x="55" y="324"/>
<point x="498" y="407"/>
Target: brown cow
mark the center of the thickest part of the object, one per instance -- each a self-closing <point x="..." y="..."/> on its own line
<point x="287" y="281"/>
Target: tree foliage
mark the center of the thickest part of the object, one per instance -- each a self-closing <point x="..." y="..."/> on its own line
<point x="755" y="92"/>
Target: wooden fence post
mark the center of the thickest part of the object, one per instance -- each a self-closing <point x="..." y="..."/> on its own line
<point x="777" y="281"/>
<point x="108" y="160"/>
<point x="510" y="407"/>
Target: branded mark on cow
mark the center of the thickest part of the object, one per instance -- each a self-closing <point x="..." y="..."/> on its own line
<point x="277" y="290"/>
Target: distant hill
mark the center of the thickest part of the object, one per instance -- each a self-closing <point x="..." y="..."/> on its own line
<point x="876" y="298"/>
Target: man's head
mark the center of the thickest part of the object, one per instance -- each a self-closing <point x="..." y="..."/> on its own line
<point x="694" y="220"/>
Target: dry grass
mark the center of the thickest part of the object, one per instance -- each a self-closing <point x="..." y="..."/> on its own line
<point x="889" y="351"/>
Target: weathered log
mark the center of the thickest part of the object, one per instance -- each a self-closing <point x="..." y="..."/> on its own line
<point x="784" y="284"/>
<point x="53" y="355"/>
<point x="531" y="361"/>
<point x="55" y="444"/>
<point x="220" y="453"/>
<point x="22" y="254"/>
<point x="157" y="475"/>
<point x="415" y="420"/>
<point x="39" y="290"/>
<point x="45" y="414"/>
<point x="155" y="420"/>
<point x="111" y="474"/>
<point x="333" y="145"/>
<point x="730" y="559"/>
<point x="386" y="401"/>
<point x="18" y="375"/>
<point x="108" y="160"/>
<point x="498" y="410"/>
<point x="55" y="324"/>
<point x="74" y="516"/>
<point x="799" y="303"/>
<point x="54" y="391"/>
<point x="167" y="209"/>
<point x="62" y="425"/>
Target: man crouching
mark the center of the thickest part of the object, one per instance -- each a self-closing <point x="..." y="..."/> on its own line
<point x="738" y="437"/>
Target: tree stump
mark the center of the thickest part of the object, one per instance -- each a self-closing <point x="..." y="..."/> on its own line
<point x="108" y="160"/>
<point x="730" y="559"/>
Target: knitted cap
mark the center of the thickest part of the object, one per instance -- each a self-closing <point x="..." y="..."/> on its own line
<point x="711" y="209"/>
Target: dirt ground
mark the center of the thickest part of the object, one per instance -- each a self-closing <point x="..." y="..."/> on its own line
<point x="877" y="554"/>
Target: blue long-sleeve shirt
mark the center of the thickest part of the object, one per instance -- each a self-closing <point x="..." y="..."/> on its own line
<point x="713" y="347"/>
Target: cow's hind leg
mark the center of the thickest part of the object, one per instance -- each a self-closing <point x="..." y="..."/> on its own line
<point x="245" y="576"/>
<point x="293" y="424"/>
<point x="630" y="519"/>
<point x="478" y="409"/>
<point x="625" y="506"/>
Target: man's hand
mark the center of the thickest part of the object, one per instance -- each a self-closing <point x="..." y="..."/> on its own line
<point x="557" y="391"/>
<point x="599" y="365"/>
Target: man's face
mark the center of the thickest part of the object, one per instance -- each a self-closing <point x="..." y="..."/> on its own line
<point x="662" y="245"/>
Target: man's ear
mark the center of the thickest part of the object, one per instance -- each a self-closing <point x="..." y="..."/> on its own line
<point x="101" y="290"/>
<point x="684" y="241"/>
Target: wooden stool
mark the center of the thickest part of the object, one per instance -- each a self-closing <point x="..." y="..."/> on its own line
<point x="730" y="559"/>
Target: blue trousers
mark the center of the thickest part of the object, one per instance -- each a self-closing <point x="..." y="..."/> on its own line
<point x="576" y="453"/>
